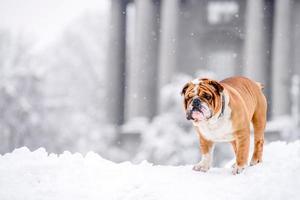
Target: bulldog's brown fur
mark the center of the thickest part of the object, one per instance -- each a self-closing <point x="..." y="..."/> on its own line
<point x="246" y="104"/>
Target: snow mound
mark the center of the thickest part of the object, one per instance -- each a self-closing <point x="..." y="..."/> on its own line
<point x="38" y="175"/>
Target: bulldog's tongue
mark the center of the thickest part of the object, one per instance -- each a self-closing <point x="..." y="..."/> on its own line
<point x="198" y="116"/>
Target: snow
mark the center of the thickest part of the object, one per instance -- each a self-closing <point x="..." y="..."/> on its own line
<point x="38" y="175"/>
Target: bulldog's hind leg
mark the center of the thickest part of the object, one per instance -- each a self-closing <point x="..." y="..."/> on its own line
<point x="259" y="124"/>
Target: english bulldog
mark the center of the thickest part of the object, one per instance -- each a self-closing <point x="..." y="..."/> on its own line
<point x="222" y="112"/>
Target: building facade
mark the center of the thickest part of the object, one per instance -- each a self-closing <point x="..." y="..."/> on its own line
<point x="256" y="38"/>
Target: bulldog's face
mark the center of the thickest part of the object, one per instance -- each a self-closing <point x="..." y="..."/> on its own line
<point x="202" y="99"/>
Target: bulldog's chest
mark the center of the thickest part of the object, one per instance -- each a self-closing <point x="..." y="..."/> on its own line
<point x="217" y="130"/>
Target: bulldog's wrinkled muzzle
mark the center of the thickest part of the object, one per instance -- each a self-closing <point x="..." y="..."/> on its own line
<point x="199" y="111"/>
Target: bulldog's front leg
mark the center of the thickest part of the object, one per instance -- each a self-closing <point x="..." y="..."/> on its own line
<point x="242" y="151"/>
<point x="206" y="148"/>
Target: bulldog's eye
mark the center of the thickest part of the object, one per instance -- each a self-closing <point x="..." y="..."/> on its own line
<point x="207" y="96"/>
<point x="190" y="96"/>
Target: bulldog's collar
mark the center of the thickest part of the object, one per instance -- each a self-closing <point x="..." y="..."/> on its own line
<point x="223" y="105"/>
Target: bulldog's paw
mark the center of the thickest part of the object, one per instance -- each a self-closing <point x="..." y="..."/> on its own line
<point x="255" y="161"/>
<point x="201" y="166"/>
<point x="237" y="169"/>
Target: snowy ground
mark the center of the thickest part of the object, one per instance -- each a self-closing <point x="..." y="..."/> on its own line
<point x="37" y="175"/>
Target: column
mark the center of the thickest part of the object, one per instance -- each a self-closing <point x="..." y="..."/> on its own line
<point x="296" y="38"/>
<point x="281" y="96"/>
<point x="257" y="49"/>
<point x="296" y="62"/>
<point x="116" y="63"/>
<point x="169" y="40"/>
<point x="143" y="75"/>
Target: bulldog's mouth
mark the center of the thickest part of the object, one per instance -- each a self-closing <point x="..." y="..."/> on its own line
<point x="199" y="114"/>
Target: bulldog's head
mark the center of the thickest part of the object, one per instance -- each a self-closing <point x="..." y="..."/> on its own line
<point x="202" y="99"/>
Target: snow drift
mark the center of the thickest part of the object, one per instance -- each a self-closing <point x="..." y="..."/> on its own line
<point x="37" y="175"/>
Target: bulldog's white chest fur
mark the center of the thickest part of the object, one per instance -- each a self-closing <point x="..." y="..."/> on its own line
<point x="218" y="129"/>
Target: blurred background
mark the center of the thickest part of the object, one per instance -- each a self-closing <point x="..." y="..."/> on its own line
<point x="106" y="75"/>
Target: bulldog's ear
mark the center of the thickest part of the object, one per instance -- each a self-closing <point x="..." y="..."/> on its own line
<point x="219" y="88"/>
<point x="185" y="87"/>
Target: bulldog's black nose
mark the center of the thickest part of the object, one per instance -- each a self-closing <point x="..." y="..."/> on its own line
<point x="196" y="102"/>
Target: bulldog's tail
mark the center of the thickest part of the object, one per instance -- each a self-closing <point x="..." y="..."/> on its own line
<point x="260" y="85"/>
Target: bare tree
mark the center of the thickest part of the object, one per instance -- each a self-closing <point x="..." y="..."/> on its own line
<point x="20" y="96"/>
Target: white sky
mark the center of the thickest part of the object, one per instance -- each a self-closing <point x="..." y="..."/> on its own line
<point x="44" y="19"/>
